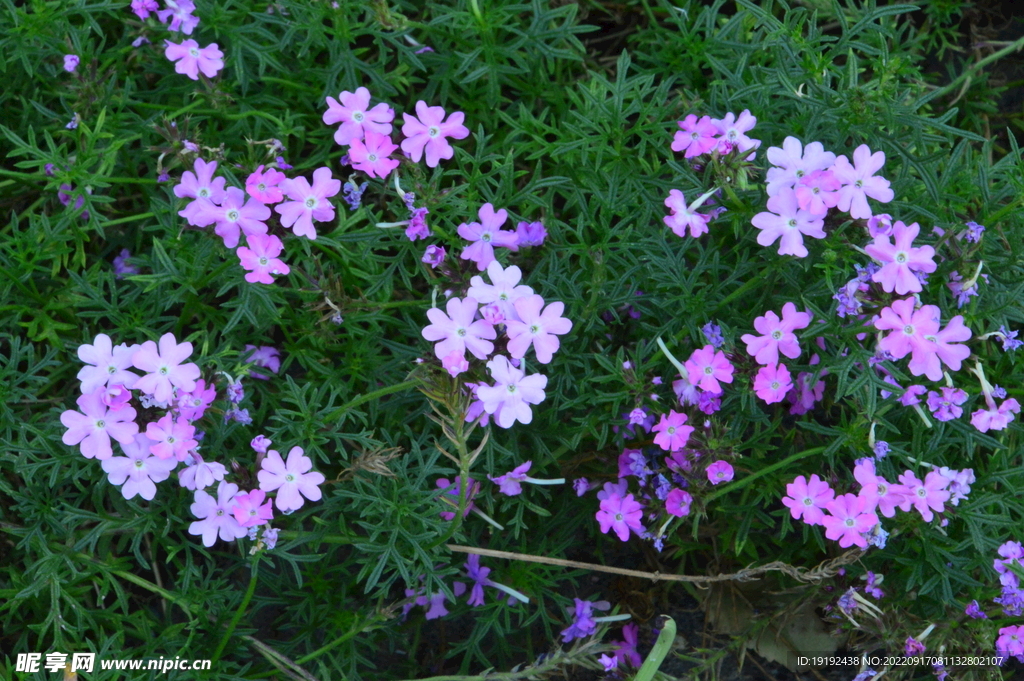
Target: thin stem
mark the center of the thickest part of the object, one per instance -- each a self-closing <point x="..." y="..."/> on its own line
<point x="969" y="73"/>
<point x="350" y="634"/>
<point x="239" y="612"/>
<point x="366" y="397"/>
<point x="739" y="484"/>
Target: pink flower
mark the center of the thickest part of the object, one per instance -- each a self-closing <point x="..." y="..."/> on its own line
<point x="109" y="364"/>
<point x="733" y="133"/>
<point x="695" y="136"/>
<point x="486" y="234"/>
<point x="926" y="496"/>
<point x="788" y="224"/>
<point x="171" y="439"/>
<point x="793" y="161"/>
<point x="308" y="203"/>
<point x="772" y="383"/>
<point x="138" y="471"/>
<point x="672" y="433"/>
<point x="909" y="328"/>
<point x="539" y="329"/>
<point x="190" y="59"/>
<point x="807" y="498"/>
<point x="262" y="185"/>
<point x="860" y="182"/>
<point x="233" y="216"/>
<point x="355" y="116"/>
<point x="266" y="357"/>
<point x="620" y="514"/>
<point x="71" y="62"/>
<point x="503" y="291"/>
<point x="719" y="471"/>
<point x="900" y="260"/>
<point x="513" y="392"/>
<point x="434" y="256"/>
<point x="457" y="331"/>
<point x="940" y="348"/>
<point x="201" y="474"/>
<point x="707" y="367"/>
<point x="249" y="509"/>
<point x="93" y="426"/>
<point x="260" y="258"/>
<point x="1010" y="643"/>
<point x="848" y="521"/>
<point x="455" y="363"/>
<point x="816" y="192"/>
<point x="292" y="479"/>
<point x="877" y="491"/>
<point x="372" y="157"/>
<point x="165" y="368"/>
<point x="180" y="14"/>
<point x="215" y="516"/>
<point x="201" y="186"/>
<point x="429" y="131"/>
<point x="993" y="418"/>
<point x="510" y="483"/>
<point x="776" y="335"/>
<point x="682" y="217"/>
<point x="678" y="502"/>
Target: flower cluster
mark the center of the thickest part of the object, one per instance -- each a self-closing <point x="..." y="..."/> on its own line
<point x="110" y="387"/>
<point x="189" y="59"/>
<point x="479" y="577"/>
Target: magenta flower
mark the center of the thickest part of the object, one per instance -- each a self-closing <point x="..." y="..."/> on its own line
<point x="530" y="234"/>
<point x="201" y="186"/>
<point x="876" y="491"/>
<point x="143" y="8"/>
<point x="620" y="514"/>
<point x="941" y="349"/>
<point x="817" y="191"/>
<point x="909" y="328"/>
<point x="249" y="509"/>
<point x="171" y="439"/>
<point x="260" y="258"/>
<point x="292" y="479"/>
<point x="539" y="329"/>
<point x="927" y="496"/>
<point x="946" y="407"/>
<point x="672" y="433"/>
<point x="486" y="234"/>
<point x="372" y="157"/>
<point x="137" y="472"/>
<point x="719" y="471"/>
<point x="109" y="364"/>
<point x="860" y="182"/>
<point x="165" y="368"/>
<point x="706" y="368"/>
<point x="848" y="521"/>
<point x="695" y="137"/>
<point x="356" y="117"/>
<point x="94" y="424"/>
<point x="510" y="483"/>
<point x="776" y="335"/>
<point x="236" y="214"/>
<point x="995" y="418"/>
<point x="503" y="291"/>
<point x="678" y="502"/>
<point x="308" y="203"/>
<point x="191" y="59"/>
<point x="788" y="224"/>
<point x="266" y="357"/>
<point x="513" y="392"/>
<point x="262" y="185"/>
<point x="215" y="515"/>
<point x="434" y="256"/>
<point x="793" y="161"/>
<point x="806" y="499"/>
<point x="457" y="331"/>
<point x="428" y="133"/>
<point x="900" y="259"/>
<point x="772" y="383"/>
<point x="1010" y="643"/>
<point x="180" y="14"/>
<point x="682" y="217"/>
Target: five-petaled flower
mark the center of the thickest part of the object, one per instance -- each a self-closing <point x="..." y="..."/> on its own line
<point x="706" y="368"/>
<point x="620" y="514"/>
<point x="308" y="203"/>
<point x="356" y="117"/>
<point x="190" y="59"/>
<point x="94" y="424"/>
<point x="457" y="331"/>
<point x="293" y="479"/>
<point x="260" y="258"/>
<point x="165" y="368"/>
<point x="513" y="392"/>
<point x="428" y="132"/>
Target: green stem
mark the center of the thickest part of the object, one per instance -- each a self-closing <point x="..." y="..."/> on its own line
<point x="969" y="73"/>
<point x="666" y="637"/>
<point x="366" y="397"/>
<point x="740" y="484"/>
<point x="130" y="218"/>
<point x="352" y="633"/>
<point x="239" y="612"/>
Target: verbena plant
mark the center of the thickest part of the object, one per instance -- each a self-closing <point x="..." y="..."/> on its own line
<point x="249" y="424"/>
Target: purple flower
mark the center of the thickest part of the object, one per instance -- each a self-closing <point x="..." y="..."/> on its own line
<point x="1012" y="600"/>
<point x="713" y="334"/>
<point x="434" y="255"/>
<point x="73" y="125"/>
<point x="249" y="509"/>
<point x="142" y="8"/>
<point x="266" y="357"/>
<point x="626" y="650"/>
<point x="620" y="514"/>
<point x="121" y="266"/>
<point x="454" y="491"/>
<point x="292" y="479"/>
<point x="417" y="228"/>
<point x="695" y="136"/>
<point x="913" y="647"/>
<point x="457" y="331"/>
<point x="261" y="444"/>
<point x="581" y="485"/>
<point x="486" y="234"/>
<point x="974" y="611"/>
<point x="682" y="217"/>
<point x="427" y="131"/>
<point x="354" y="195"/>
<point x="972" y="235"/>
<point x="1009" y="339"/>
<point x="171" y="439"/>
<point x="165" y="367"/>
<point x="583" y="623"/>
<point x="530" y="234"/>
<point x="509" y="483"/>
<point x="201" y="474"/>
<point x="719" y="471"/>
<point x="308" y="203"/>
<point x="356" y="117"/>
<point x="787" y="223"/>
<point x="860" y="182"/>
<point x="371" y="156"/>
<point x="260" y="260"/>
<point x="236" y="414"/>
<point x="947" y="406"/>
<point x="537" y="328"/>
<point x="71" y="63"/>
<point x="881" y="449"/>
<point x="138" y="471"/>
<point x="94" y="424"/>
<point x="513" y="392"/>
<point x="900" y="260"/>
<point x="180" y="14"/>
<point x="190" y="59"/>
<point x="109" y="365"/>
<point x="215" y="516"/>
